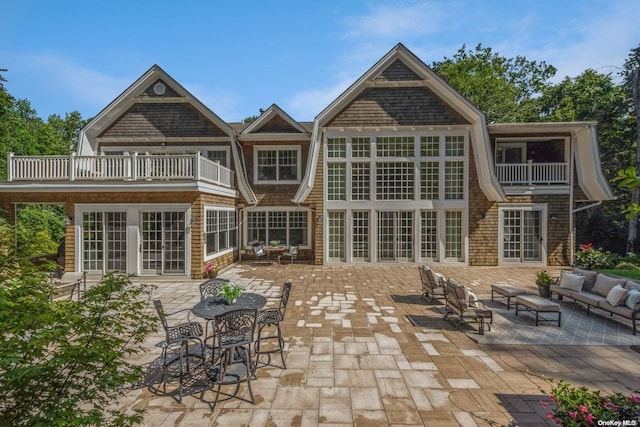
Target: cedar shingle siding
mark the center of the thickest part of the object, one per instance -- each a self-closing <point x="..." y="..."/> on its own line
<point x="397" y="106"/>
<point x="168" y="93"/>
<point x="162" y="120"/>
<point x="276" y="125"/>
<point x="396" y="72"/>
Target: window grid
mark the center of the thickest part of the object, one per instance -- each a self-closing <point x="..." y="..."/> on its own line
<point x="267" y="165"/>
<point x="256" y="227"/>
<point x="337" y="147"/>
<point x="336" y="222"/>
<point x="429" y="233"/>
<point x="336" y="181"/>
<point x="430" y="146"/>
<point x="454" y="180"/>
<point x="360" y="249"/>
<point x="395" y="181"/>
<point x="221" y="230"/>
<point x="287" y="165"/>
<point x="454" y="145"/>
<point x="290" y="227"/>
<point x="453" y="235"/>
<point x="395" y="146"/>
<point x="219" y="156"/>
<point x="116" y="244"/>
<point x="92" y="240"/>
<point x="277" y="165"/>
<point x="360" y="181"/>
<point x="429" y="180"/>
<point x="298" y="228"/>
<point x="361" y="147"/>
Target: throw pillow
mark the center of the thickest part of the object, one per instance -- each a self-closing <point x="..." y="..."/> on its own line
<point x="617" y="295"/>
<point x="589" y="277"/>
<point x="633" y="299"/>
<point x="632" y="285"/>
<point x="571" y="281"/>
<point x="605" y="283"/>
<point x="472" y="298"/>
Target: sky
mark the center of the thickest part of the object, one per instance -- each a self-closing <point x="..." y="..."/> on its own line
<point x="238" y="57"/>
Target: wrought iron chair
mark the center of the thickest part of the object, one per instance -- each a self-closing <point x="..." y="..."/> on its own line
<point x="271" y="317"/>
<point x="292" y="253"/>
<point x="179" y="336"/>
<point x="259" y="252"/>
<point x="209" y="289"/>
<point x="232" y="364"/>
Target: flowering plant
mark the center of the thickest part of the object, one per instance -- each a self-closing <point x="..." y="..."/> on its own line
<point x="579" y="406"/>
<point x="212" y="267"/>
<point x="589" y="257"/>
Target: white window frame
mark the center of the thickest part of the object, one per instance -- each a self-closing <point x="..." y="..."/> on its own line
<point x="247" y="244"/>
<point x="543" y="208"/>
<point x="231" y="214"/>
<point x="277" y="149"/>
<point x="220" y="149"/>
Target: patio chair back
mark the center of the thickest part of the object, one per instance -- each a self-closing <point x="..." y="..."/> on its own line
<point x="209" y="288"/>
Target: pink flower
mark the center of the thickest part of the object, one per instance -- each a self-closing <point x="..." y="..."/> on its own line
<point x="635" y="399"/>
<point x="590" y="418"/>
<point x="586" y="246"/>
<point x="544" y="404"/>
<point x="583" y="409"/>
<point x="573" y="414"/>
<point x="549" y="415"/>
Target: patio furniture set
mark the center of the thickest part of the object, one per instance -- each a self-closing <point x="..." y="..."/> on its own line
<point x="228" y="353"/>
<point x="266" y="252"/>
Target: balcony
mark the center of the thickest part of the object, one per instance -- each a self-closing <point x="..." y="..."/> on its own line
<point x="127" y="167"/>
<point x="533" y="173"/>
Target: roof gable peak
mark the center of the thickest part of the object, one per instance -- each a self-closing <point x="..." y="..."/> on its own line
<point x="274" y="120"/>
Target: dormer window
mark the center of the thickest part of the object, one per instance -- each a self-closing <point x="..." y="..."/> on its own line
<point x="277" y="164"/>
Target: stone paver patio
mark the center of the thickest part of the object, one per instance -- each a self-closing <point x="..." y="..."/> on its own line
<point x="364" y="349"/>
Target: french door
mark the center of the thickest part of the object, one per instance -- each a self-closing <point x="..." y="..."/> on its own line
<point x="395" y="236"/>
<point x="522" y="235"/>
<point x="163" y="243"/>
<point x="104" y="241"/>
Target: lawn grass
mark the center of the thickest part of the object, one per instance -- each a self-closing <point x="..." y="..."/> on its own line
<point x="631" y="274"/>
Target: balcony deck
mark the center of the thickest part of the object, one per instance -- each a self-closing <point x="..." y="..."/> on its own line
<point x="532" y="173"/>
<point x="126" y="167"/>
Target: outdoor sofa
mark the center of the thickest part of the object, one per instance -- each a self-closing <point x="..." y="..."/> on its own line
<point x="614" y="295"/>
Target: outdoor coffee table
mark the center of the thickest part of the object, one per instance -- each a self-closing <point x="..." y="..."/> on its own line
<point x="537" y="304"/>
<point x="507" y="291"/>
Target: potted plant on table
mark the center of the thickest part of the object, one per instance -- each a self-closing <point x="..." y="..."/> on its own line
<point x="543" y="281"/>
<point x="274" y="243"/>
<point x="211" y="270"/>
<point x="229" y="292"/>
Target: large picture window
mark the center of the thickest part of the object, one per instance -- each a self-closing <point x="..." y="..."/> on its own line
<point x="289" y="227"/>
<point x="277" y="165"/>
<point x="221" y="230"/>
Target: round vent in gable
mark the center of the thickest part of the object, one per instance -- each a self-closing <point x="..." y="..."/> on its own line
<point x="159" y="88"/>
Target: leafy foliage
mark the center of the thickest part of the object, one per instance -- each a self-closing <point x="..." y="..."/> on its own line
<point x="65" y="362"/>
<point x="591" y="258"/>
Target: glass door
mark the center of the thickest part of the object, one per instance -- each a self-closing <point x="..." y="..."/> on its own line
<point x="163" y="243"/>
<point x="522" y="235"/>
<point x="395" y="236"/>
<point x="104" y="241"/>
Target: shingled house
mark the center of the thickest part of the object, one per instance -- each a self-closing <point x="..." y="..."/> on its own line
<point x="399" y="168"/>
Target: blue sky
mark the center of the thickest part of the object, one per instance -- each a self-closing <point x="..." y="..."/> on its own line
<point x="238" y="57"/>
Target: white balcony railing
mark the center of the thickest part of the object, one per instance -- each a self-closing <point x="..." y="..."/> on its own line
<point x="127" y="167"/>
<point x="533" y="173"/>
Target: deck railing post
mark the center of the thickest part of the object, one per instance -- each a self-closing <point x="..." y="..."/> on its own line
<point x="196" y="169"/>
<point x="72" y="166"/>
<point x="10" y="167"/>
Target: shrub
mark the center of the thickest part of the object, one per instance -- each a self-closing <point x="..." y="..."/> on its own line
<point x="625" y="265"/>
<point x="589" y="257"/>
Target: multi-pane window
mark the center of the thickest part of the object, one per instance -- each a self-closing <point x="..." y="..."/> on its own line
<point x="395" y="146"/>
<point x="289" y="227"/>
<point x="104" y="241"/>
<point x="360" y="245"/>
<point x="336" y="229"/>
<point x="220" y="229"/>
<point x="454" y="180"/>
<point x="361" y="147"/>
<point x="219" y="156"/>
<point x="454" y="145"/>
<point x="395" y="181"/>
<point x="430" y="146"/>
<point x="337" y="147"/>
<point x="116" y="244"/>
<point x="360" y="181"/>
<point x="453" y="235"/>
<point x="336" y="181"/>
<point x="92" y="240"/>
<point x="429" y="180"/>
<point x="277" y="165"/>
<point x="429" y="234"/>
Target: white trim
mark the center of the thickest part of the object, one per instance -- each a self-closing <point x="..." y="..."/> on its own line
<point x="245" y="229"/>
<point x="208" y="208"/>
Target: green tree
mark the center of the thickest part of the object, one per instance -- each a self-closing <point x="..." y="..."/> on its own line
<point x="66" y="362"/>
<point x="505" y="89"/>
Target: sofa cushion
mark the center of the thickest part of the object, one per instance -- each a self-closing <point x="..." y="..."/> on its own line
<point x="472" y="298"/>
<point x="632" y="285"/>
<point x="588" y="298"/>
<point x="617" y="295"/>
<point x="571" y="281"/>
<point x="621" y="310"/>
<point x="633" y="299"/>
<point x="589" y="277"/>
<point x="561" y="291"/>
<point x="604" y="284"/>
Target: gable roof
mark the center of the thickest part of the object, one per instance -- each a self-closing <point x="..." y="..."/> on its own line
<point x="274" y="120"/>
<point x="142" y="92"/>
<point x="401" y="67"/>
